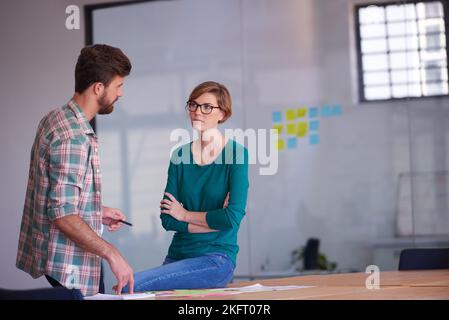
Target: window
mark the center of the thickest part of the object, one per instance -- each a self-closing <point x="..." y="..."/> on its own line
<point x="402" y="50"/>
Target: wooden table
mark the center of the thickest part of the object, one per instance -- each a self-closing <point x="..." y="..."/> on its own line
<point x="394" y="285"/>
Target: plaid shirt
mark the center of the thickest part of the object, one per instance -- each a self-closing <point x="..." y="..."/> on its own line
<point x="64" y="179"/>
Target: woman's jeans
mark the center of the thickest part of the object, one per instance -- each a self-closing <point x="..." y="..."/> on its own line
<point x="212" y="270"/>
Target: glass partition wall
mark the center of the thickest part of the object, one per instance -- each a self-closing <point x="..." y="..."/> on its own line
<point x="357" y="93"/>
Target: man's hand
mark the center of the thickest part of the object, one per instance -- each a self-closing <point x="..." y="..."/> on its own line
<point x="77" y="230"/>
<point x="111" y="217"/>
<point x="122" y="272"/>
<point x="172" y="207"/>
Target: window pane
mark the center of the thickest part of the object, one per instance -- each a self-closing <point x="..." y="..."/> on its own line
<point x="396" y="13"/>
<point x="400" y="91"/>
<point x="433" y="41"/>
<point x="403" y="43"/>
<point x="370" y="78"/>
<point x="406" y="76"/>
<point x="434" y="74"/>
<point x="410" y="11"/>
<point x="431" y="26"/>
<point x="372" y="31"/>
<point x="375" y="62"/>
<point x="435" y="88"/>
<point x="379" y="45"/>
<point x="371" y="14"/>
<point x="433" y="63"/>
<point x="433" y="58"/>
<point x="404" y="60"/>
<point x="373" y="93"/>
<point x="429" y="9"/>
<point x="411" y="90"/>
<point x="414" y="90"/>
<point x="402" y="28"/>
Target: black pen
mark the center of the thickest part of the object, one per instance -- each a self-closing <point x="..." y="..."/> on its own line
<point x="122" y="221"/>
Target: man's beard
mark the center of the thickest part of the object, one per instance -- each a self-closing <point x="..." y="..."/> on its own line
<point x="106" y="107"/>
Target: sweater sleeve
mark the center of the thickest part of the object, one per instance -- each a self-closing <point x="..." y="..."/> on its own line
<point x="168" y="222"/>
<point x="232" y="215"/>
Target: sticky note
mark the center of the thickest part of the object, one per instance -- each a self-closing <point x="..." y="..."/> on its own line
<point x="291" y="143"/>
<point x="314" y="125"/>
<point x="314" y="139"/>
<point x="302" y="112"/>
<point x="291" y="114"/>
<point x="280" y="144"/>
<point x="292" y="128"/>
<point x="277" y="116"/>
<point x="313" y="112"/>
<point x="336" y="110"/>
<point x="326" y="111"/>
<point x="278" y="127"/>
<point x="302" y="129"/>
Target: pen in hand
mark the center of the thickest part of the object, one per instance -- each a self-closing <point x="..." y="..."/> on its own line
<point x="123" y="221"/>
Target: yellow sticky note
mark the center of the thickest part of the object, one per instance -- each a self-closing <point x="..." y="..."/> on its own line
<point x="303" y="128"/>
<point x="278" y="127"/>
<point x="292" y="128"/>
<point x="280" y="145"/>
<point x="291" y="114"/>
<point x="302" y="112"/>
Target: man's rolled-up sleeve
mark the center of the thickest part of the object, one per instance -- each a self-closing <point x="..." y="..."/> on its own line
<point x="67" y="169"/>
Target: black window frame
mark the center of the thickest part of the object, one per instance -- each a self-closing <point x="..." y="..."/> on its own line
<point x="89" y="30"/>
<point x="361" y="91"/>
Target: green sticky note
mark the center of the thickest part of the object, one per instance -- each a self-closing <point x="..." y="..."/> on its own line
<point x="303" y="128"/>
<point x="278" y="127"/>
<point x="280" y="145"/>
<point x="292" y="128"/>
<point x="302" y="112"/>
<point x="291" y="114"/>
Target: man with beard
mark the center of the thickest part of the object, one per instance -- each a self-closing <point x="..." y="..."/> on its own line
<point x="63" y="217"/>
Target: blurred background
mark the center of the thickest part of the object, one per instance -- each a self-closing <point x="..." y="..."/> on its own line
<point x="358" y="91"/>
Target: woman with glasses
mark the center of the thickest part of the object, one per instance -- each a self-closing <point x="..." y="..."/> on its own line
<point x="204" y="201"/>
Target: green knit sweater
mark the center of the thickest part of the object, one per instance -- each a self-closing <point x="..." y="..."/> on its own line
<point x="203" y="188"/>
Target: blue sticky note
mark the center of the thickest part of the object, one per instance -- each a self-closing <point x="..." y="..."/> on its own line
<point x="326" y="111"/>
<point x="291" y="143"/>
<point x="313" y="112"/>
<point x="336" y="110"/>
<point x="314" y="139"/>
<point x="277" y="116"/>
<point x="314" y="125"/>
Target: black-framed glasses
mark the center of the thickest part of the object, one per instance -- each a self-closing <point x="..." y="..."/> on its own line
<point x="206" y="108"/>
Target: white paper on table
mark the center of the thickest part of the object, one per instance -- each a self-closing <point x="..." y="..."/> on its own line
<point x="252" y="288"/>
<point x="258" y="287"/>
<point x="134" y="296"/>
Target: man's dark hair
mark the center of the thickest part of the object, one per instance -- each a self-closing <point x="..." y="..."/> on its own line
<point x="100" y="63"/>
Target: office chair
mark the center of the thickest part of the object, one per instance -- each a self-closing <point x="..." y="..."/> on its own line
<point x="423" y="259"/>
<point x="58" y="293"/>
<point x="311" y="254"/>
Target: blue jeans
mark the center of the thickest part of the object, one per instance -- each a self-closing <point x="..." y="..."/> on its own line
<point x="212" y="270"/>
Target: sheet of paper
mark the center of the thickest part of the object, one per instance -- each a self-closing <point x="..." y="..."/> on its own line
<point x="134" y="296"/>
<point x="194" y="292"/>
<point x="258" y="287"/>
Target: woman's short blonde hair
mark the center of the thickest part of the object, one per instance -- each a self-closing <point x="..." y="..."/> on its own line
<point x="220" y="92"/>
